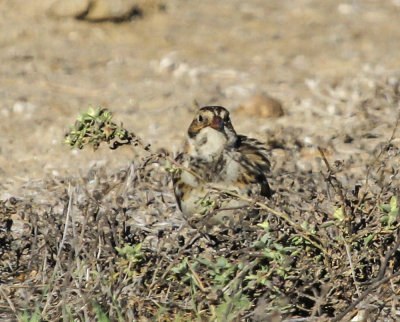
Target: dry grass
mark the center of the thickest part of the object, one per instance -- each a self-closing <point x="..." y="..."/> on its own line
<point x="111" y="245"/>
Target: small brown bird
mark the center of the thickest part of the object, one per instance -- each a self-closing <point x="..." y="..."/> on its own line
<point x="215" y="156"/>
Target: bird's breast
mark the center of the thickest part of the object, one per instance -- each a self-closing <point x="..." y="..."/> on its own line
<point x="207" y="144"/>
<point x="232" y="169"/>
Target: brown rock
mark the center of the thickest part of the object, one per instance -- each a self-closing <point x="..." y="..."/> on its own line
<point x="261" y="105"/>
<point x="102" y="10"/>
<point x="111" y="10"/>
<point x="70" y="8"/>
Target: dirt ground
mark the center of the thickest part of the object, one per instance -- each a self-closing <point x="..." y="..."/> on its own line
<point x="333" y="65"/>
<point x="150" y="70"/>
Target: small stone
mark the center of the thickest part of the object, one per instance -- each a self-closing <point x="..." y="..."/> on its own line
<point x="18" y="108"/>
<point x="304" y="166"/>
<point x="331" y="109"/>
<point x="103" y="10"/>
<point x="195" y="73"/>
<point x="348" y="139"/>
<point x="181" y="71"/>
<point x="110" y="10"/>
<point x="13" y="201"/>
<point x="5" y="112"/>
<point x="261" y="105"/>
<point x="70" y="8"/>
<point x="168" y="63"/>
<point x="393" y="81"/>
<point x="23" y="107"/>
<point x="236" y="91"/>
<point x="308" y="140"/>
<point x="345" y="8"/>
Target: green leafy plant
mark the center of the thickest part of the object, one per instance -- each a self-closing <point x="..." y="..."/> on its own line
<point x="186" y="272"/>
<point x="206" y="204"/>
<point x="277" y="256"/>
<point x="101" y="316"/>
<point x="130" y="255"/>
<point x="338" y="214"/>
<point x="96" y="126"/>
<point x="221" y="272"/>
<point x="231" y="307"/>
<point x="391" y="211"/>
<point x="169" y="167"/>
<point x="34" y="317"/>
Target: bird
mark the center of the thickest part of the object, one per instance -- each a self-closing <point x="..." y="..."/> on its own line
<point x="216" y="158"/>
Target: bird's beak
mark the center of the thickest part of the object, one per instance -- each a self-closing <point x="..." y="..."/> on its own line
<point x="217" y="123"/>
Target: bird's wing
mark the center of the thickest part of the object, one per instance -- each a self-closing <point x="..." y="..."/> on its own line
<point x="254" y="160"/>
<point x="183" y="179"/>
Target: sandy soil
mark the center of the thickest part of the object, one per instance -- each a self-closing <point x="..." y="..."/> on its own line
<point x="150" y="71"/>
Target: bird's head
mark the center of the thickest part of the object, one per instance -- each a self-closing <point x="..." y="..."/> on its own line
<point x="211" y="130"/>
<point x="214" y="117"/>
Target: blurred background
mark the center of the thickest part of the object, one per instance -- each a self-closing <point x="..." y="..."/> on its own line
<point x="309" y="67"/>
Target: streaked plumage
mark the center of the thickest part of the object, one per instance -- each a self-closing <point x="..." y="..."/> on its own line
<point x="216" y="156"/>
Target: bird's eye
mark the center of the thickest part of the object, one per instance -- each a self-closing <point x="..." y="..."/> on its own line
<point x="200" y="118"/>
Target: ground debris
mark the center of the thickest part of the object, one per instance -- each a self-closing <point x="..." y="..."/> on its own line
<point x="113" y="243"/>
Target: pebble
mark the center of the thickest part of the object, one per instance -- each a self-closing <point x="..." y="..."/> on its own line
<point x="168" y="63"/>
<point x="345" y="9"/>
<point x="70" y="8"/>
<point x="181" y="71"/>
<point x="23" y="107"/>
<point x="308" y="140"/>
<point x="109" y="10"/>
<point x="304" y="166"/>
<point x="261" y="105"/>
<point x="331" y="109"/>
<point x="237" y="91"/>
<point x="101" y="10"/>
<point x="5" y="112"/>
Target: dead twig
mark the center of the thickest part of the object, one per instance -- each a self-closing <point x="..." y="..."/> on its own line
<point x="303" y="232"/>
<point x="188" y="244"/>
<point x="385" y="263"/>
<point x="364" y="295"/>
<point x="60" y="247"/>
<point x="337" y="186"/>
<point x="196" y="276"/>
<point x="312" y="239"/>
<point x="10" y="303"/>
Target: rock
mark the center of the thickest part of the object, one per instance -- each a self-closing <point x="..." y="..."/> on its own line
<point x="345" y="8"/>
<point x="167" y="64"/>
<point x="181" y="71"/>
<point x="22" y="107"/>
<point x="103" y="10"/>
<point x="70" y="8"/>
<point x="261" y="105"/>
<point x="171" y="63"/>
<point x="237" y="91"/>
<point x="112" y="10"/>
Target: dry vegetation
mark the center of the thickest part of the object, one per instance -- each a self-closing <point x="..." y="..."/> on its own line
<point x="112" y="245"/>
<point x="97" y="235"/>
